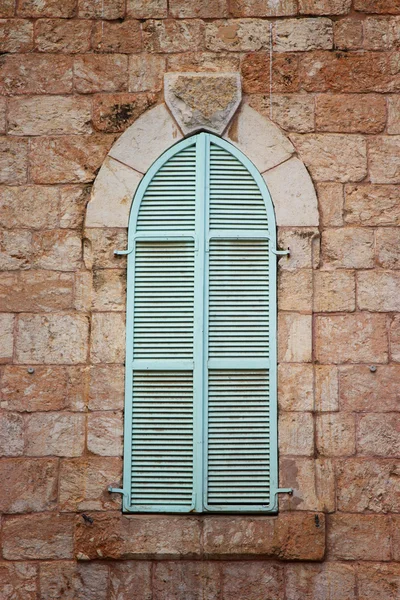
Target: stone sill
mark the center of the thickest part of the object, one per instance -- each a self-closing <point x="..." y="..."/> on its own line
<point x="287" y="536"/>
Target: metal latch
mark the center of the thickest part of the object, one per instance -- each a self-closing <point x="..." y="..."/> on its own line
<point x="284" y="491"/>
<point x="281" y="252"/>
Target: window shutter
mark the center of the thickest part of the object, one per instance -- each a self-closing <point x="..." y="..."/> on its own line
<point x="200" y="415"/>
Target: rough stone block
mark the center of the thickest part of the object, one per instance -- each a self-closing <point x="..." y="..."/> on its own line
<point x="45" y="536"/>
<point x="51" y="115"/>
<point x="13" y="161"/>
<point x="245" y="580"/>
<point x="108" y="338"/>
<point x="367" y="204"/>
<point x="292" y="112"/>
<point x="334" y="291"/>
<point x="84" y="484"/>
<point x="101" y="9"/>
<point x="109" y="290"/>
<point x="330" y="581"/>
<point x="31" y="485"/>
<point x="146" y="73"/>
<point x="348" y="34"/>
<point x="351" y="248"/>
<point x="48" y="339"/>
<point x="36" y="74"/>
<point x="68" y="159"/>
<point x="361" y="337"/>
<point x="393" y="124"/>
<point x="256" y="73"/>
<point x="326" y="388"/>
<point x="350" y="113"/>
<point x="295" y="290"/>
<point x="303" y="35"/>
<point x="364" y="391"/>
<point x="16" y="35"/>
<point x="173" y="35"/>
<point x="358" y="537"/>
<point x="101" y="73"/>
<point x="55" y="434"/>
<point x="387" y="247"/>
<point x="3" y="104"/>
<point x="333" y="157"/>
<point x="263" y="8"/>
<point x="395" y="522"/>
<point x="384" y="163"/>
<point x="381" y="33"/>
<point x="73" y="201"/>
<point x="116" y="112"/>
<point x="16" y="250"/>
<point x="296" y="434"/>
<point x="368" y="485"/>
<point x="336" y="434"/>
<point x="48" y="388"/>
<point x="116" y="36"/>
<point x="36" y="291"/>
<point x="301" y="241"/>
<point x="197" y="580"/>
<point x="394" y="336"/>
<point x="147" y="9"/>
<point x="295" y="387"/>
<point x="378" y="291"/>
<point x="210" y="62"/>
<point x="133" y="580"/>
<point x="240" y="35"/>
<point x="59" y="35"/>
<point x="11" y="434"/>
<point x="378" y="580"/>
<point x="383" y="6"/>
<point x="18" y="580"/>
<point x="104" y="435"/>
<point x="106" y="387"/>
<point x="312" y="481"/>
<point x="99" y="246"/>
<point x="294" y="338"/>
<point x="46" y="8"/>
<point x="57" y="249"/>
<point x="36" y="206"/>
<point x="7" y="323"/>
<point x="206" y="9"/>
<point x="324" y="7"/>
<point x="69" y="581"/>
<point x="379" y="435"/>
<point x="7" y="8"/>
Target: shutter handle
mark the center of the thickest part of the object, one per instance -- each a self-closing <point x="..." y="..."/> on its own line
<point x="113" y="490"/>
<point x="284" y="491"/>
<point x="281" y="252"/>
<point x="123" y="252"/>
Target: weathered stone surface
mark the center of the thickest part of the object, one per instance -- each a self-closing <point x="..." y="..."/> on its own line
<point x="7" y="8"/>
<point x="173" y="36"/>
<point x="294" y="338"/>
<point x="147" y="9"/>
<point x="312" y="481"/>
<point x="146" y="139"/>
<point x="296" y="433"/>
<point x="36" y="206"/>
<point x="395" y="521"/>
<point x="133" y="580"/>
<point x="6" y="337"/>
<point x="336" y="434"/>
<point x="106" y="73"/>
<point x="383" y="6"/>
<point x="115" y="112"/>
<point x="293" y="194"/>
<point x="237" y="34"/>
<point x="99" y="246"/>
<point x="378" y="581"/>
<point x="367" y="485"/>
<point x="101" y="9"/>
<point x="46" y="8"/>
<point x="146" y="73"/>
<point x="393" y="124"/>
<point x="256" y="73"/>
<point x="71" y="581"/>
<point x="245" y="580"/>
<point x="387" y="247"/>
<point x="362" y="390"/>
<point x="207" y="9"/>
<point x="46" y="536"/>
<point x="333" y="157"/>
<point x="348" y="248"/>
<point x="394" y="336"/>
<point x="36" y="291"/>
<point x="68" y="159"/>
<point x="84" y="484"/>
<point x="379" y="435"/>
<point x="199" y="101"/>
<point x="106" y="388"/>
<point x="117" y="36"/>
<point x="51" y="115"/>
<point x="329" y="581"/>
<point x="381" y="33"/>
<point x="384" y="159"/>
<point x="295" y="290"/>
<point x="13" y="161"/>
<point x="378" y="291"/>
<point x="55" y="434"/>
<point x="300" y="35"/>
<point x="358" y="537"/>
<point x="263" y="8"/>
<point x="324" y="7"/>
<point x="108" y="338"/>
<point x="3" y="106"/>
<point x="56" y="338"/>
<point x="295" y="387"/>
<point x="73" y="201"/>
<point x="326" y="388"/>
<point x="355" y="72"/>
<point x="348" y="34"/>
<point x="302" y="243"/>
<point x="259" y="139"/>
<point x="48" y="388"/>
<point x="31" y="485"/>
<point x="11" y="434"/>
<point x="58" y="249"/>
<point x="83" y="291"/>
<point x="16" y="249"/>
<point x="334" y="291"/>
<point x="59" y="35"/>
<point x="16" y="35"/>
<point x="361" y="337"/>
<point x="198" y="62"/>
<point x="109" y="289"/>
<point x="290" y="536"/>
<point x="292" y="112"/>
<point x="35" y="74"/>
<point x="104" y="433"/>
<point x="114" y="536"/>
<point x="197" y="580"/>
<point x="367" y="204"/>
<point x="18" y="580"/>
<point x="350" y="113"/>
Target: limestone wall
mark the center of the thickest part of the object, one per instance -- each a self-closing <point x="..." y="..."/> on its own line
<point x="76" y="74"/>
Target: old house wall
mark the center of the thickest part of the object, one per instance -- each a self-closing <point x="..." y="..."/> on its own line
<point x="73" y="76"/>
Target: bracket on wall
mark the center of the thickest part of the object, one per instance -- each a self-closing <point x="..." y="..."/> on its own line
<point x="284" y="491"/>
<point x="123" y="252"/>
<point x="281" y="252"/>
<point x="114" y="490"/>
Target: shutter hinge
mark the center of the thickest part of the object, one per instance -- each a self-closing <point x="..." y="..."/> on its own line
<point x="281" y="252"/>
<point x="284" y="491"/>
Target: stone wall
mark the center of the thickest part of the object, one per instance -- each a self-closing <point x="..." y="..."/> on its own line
<point x="73" y="76"/>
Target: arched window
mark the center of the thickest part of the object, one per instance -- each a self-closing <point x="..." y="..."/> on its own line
<point x="200" y="413"/>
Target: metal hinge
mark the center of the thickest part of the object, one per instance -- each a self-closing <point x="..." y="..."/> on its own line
<point x="281" y="252"/>
<point x="123" y="252"/>
<point x="284" y="491"/>
<point x="114" y="490"/>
